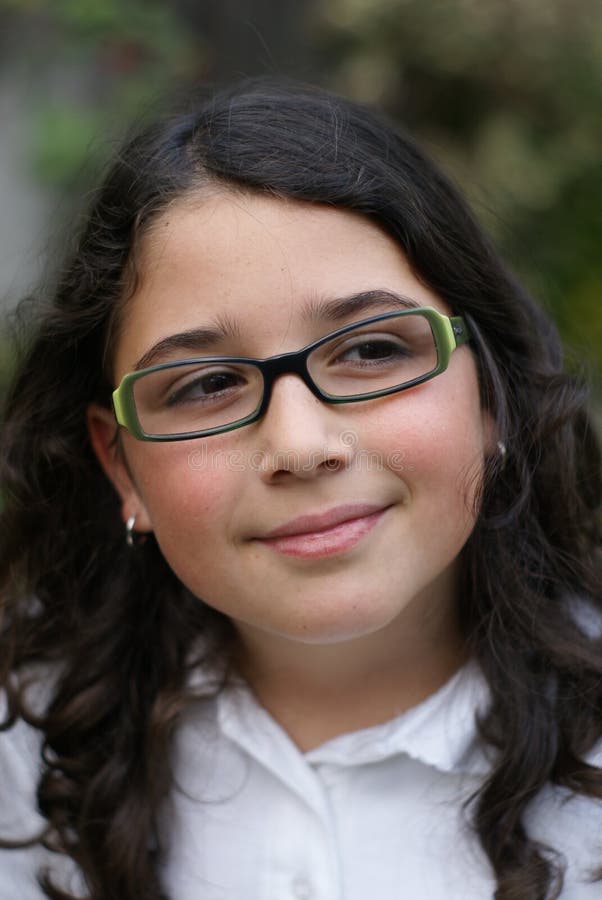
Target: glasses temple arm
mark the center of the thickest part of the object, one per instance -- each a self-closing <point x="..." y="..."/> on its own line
<point x="461" y="333"/>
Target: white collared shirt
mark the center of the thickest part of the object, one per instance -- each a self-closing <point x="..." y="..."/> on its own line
<point x="378" y="813"/>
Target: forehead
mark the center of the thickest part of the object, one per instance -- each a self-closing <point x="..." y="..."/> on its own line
<point x="256" y="263"/>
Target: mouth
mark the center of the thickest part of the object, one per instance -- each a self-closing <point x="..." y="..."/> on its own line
<point x="325" y="534"/>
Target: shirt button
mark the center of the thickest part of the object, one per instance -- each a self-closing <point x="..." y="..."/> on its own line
<point x="302" y="888"/>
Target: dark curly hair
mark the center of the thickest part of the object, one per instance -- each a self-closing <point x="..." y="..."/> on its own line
<point x="120" y="629"/>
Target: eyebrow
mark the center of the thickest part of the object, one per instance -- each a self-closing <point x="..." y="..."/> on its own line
<point x="195" y="340"/>
<point x="327" y="310"/>
<point x="341" y="307"/>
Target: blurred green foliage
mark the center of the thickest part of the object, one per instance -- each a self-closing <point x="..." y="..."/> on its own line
<point x="507" y="94"/>
<point x="7" y="362"/>
<point x="104" y="61"/>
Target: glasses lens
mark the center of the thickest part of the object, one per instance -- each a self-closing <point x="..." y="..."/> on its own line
<point x="375" y="357"/>
<point x="196" y="396"/>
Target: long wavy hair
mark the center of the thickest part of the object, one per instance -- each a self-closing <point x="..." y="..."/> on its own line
<point x="119" y="630"/>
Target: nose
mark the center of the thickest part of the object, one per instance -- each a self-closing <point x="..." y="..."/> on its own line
<point x="300" y="436"/>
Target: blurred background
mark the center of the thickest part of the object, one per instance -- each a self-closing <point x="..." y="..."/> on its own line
<point x="506" y="94"/>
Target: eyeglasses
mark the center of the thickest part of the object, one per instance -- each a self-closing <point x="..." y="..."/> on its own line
<point x="385" y="354"/>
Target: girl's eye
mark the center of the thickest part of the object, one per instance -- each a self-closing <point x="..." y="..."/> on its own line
<point x="374" y="351"/>
<point x="205" y="387"/>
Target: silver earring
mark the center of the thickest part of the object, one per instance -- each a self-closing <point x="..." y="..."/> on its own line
<point x="129" y="531"/>
<point x="503" y="453"/>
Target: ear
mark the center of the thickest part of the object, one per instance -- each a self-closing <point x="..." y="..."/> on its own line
<point x="103" y="432"/>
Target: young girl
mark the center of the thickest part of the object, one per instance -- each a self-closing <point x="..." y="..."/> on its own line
<point x="300" y="547"/>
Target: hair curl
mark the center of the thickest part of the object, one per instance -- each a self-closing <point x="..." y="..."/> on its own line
<point x="120" y="628"/>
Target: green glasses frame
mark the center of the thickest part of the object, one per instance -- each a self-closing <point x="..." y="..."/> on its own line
<point x="449" y="332"/>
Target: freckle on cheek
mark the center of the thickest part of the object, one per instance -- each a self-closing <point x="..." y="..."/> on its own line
<point x="181" y="495"/>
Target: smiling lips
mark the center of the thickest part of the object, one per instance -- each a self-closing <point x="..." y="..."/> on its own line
<point x="331" y="532"/>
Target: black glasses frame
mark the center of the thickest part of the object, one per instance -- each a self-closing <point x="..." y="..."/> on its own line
<point x="449" y="332"/>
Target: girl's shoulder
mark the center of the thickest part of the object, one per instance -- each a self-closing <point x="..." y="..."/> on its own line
<point x="21" y="757"/>
<point x="21" y="765"/>
<point x="571" y="824"/>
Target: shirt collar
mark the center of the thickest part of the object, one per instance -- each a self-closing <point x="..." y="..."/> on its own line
<point x="440" y="731"/>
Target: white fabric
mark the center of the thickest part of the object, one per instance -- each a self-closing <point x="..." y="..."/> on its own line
<point x="377" y="813"/>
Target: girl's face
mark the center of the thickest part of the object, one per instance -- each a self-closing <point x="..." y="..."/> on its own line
<point x="402" y="471"/>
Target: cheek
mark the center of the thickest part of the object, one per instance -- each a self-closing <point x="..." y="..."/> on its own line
<point x="187" y="494"/>
<point x="437" y="450"/>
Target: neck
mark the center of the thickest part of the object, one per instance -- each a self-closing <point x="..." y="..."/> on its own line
<point x="317" y="691"/>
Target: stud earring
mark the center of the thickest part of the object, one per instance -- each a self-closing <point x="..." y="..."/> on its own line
<point x="503" y="453"/>
<point x="129" y="531"/>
